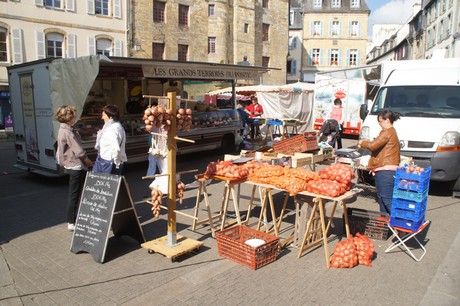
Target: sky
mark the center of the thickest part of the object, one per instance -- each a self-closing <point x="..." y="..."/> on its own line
<point x="389" y="11"/>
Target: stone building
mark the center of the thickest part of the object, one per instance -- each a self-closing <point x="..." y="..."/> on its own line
<point x="334" y="35"/>
<point x="220" y="31"/>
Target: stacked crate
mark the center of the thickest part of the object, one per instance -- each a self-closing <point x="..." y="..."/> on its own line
<point x="410" y="194"/>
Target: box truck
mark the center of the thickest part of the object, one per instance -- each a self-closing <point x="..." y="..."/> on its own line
<point x="426" y="93"/>
<point x="38" y="88"/>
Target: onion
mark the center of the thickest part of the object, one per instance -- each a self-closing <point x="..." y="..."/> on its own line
<point x="148" y="112"/>
<point x="188" y="111"/>
<point x="148" y="127"/>
<point x="181" y="111"/>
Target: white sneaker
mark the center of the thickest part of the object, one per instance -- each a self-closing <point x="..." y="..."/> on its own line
<point x="70" y="227"/>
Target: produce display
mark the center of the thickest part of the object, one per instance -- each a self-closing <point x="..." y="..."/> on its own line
<point x="162" y="117"/>
<point x="230" y="170"/>
<point x="156" y="195"/>
<point x="353" y="251"/>
<point x="332" y="181"/>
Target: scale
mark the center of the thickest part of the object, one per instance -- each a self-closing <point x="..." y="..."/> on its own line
<point x="346" y="156"/>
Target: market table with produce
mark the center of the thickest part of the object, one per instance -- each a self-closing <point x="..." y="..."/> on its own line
<point x="333" y="184"/>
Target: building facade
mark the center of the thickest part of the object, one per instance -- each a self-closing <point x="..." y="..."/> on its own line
<point x="32" y="30"/>
<point x="248" y="32"/>
<point x="334" y="35"/>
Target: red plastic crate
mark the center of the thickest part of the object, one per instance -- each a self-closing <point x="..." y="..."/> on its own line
<point x="231" y="245"/>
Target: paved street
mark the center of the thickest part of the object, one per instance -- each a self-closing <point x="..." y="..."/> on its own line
<point x="37" y="267"/>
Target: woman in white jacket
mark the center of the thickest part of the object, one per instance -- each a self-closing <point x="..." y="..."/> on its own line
<point x="110" y="143"/>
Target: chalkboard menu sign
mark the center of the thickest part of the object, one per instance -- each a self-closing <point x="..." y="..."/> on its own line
<point x="105" y="203"/>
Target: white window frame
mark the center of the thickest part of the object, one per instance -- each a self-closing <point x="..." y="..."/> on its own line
<point x="353" y="54"/>
<point x="354" y="28"/>
<point x="54" y="37"/>
<point x="5" y="30"/>
<point x="335" y="28"/>
<point x="317" y="28"/>
<point x="354" y="3"/>
<point x="316" y="56"/>
<point x="53" y="4"/>
<point x="104" y="46"/>
<point x="334" y="59"/>
<point x="335" y="3"/>
<point x="317" y="3"/>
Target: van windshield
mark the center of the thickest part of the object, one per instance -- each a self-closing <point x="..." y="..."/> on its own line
<point x="419" y="101"/>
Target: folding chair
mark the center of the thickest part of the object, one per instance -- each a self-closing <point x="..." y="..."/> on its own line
<point x="407" y="234"/>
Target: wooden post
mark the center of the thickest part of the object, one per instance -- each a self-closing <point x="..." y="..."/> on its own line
<point x="172" y="233"/>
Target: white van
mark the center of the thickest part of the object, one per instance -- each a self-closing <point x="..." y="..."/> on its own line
<point x="427" y="95"/>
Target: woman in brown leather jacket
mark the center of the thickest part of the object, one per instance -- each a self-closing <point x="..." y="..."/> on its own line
<point x="385" y="158"/>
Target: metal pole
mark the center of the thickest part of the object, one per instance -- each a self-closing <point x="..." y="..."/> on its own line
<point x="172" y="148"/>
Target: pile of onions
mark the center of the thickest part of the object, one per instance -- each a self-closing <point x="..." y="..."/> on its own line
<point x="157" y="195"/>
<point x="180" y="191"/>
<point x="184" y="119"/>
<point x="162" y="117"/>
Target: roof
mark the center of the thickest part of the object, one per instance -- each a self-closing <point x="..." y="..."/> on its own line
<point x="249" y="90"/>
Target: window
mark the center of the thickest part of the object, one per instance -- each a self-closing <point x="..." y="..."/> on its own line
<point x="211" y="45"/>
<point x="158" y="11"/>
<point x="103" y="46"/>
<point x="335" y="28"/>
<point x="265" y="31"/>
<point x="54" y="45"/>
<point x="353" y="57"/>
<point x="317" y="3"/>
<point x="334" y="57"/>
<point x="354" y="3"/>
<point x="316" y="28"/>
<point x="158" y="51"/>
<point x="102" y="7"/>
<point x="292" y="43"/>
<point x="354" y="28"/>
<point x="291" y="18"/>
<point x="291" y="67"/>
<point x="246" y="28"/>
<point x="335" y="3"/>
<point x="265" y="61"/>
<point x="265" y="3"/>
<point x="315" y="56"/>
<point x="53" y="3"/>
<point x="182" y="52"/>
<point x="183" y="15"/>
<point x="211" y="10"/>
<point x="3" y="47"/>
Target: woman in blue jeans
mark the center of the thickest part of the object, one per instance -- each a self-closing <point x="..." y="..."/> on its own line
<point x="385" y="157"/>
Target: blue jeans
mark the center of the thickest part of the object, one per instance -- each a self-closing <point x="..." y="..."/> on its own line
<point x="384" y="181"/>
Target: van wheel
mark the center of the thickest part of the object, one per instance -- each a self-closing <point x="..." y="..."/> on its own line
<point x="228" y="144"/>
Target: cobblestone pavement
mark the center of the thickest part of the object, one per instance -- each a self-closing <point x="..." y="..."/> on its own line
<point x="37" y="267"/>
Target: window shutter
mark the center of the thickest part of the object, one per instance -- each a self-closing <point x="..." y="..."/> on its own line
<point x="294" y="67"/>
<point x="118" y="48"/>
<point x="71" y="45"/>
<point x="339" y="30"/>
<point x="91" y="46"/>
<point x="340" y="58"/>
<point x="90" y="7"/>
<point x="40" y="44"/>
<point x="39" y="2"/>
<point x="312" y="31"/>
<point x="70" y="5"/>
<point x="310" y="54"/>
<point x="17" y="46"/>
<point x="358" y="29"/>
<point x="328" y="56"/>
<point x="321" y="60"/>
<point x="347" y="60"/>
<point x="321" y="28"/>
<point x="330" y="29"/>
<point x="117" y="8"/>
<point x="358" y="58"/>
<point x="350" y="29"/>
<point x="294" y="42"/>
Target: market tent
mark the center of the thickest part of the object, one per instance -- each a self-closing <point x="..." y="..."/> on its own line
<point x="291" y="101"/>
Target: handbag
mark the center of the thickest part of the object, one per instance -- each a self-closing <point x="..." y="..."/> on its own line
<point x="102" y="165"/>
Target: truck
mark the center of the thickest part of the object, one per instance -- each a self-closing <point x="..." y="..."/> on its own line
<point x="353" y="86"/>
<point x="39" y="88"/>
<point x="426" y="93"/>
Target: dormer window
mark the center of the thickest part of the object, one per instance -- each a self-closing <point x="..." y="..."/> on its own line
<point x="336" y="3"/>
<point x="354" y="3"/>
<point x="317" y="3"/>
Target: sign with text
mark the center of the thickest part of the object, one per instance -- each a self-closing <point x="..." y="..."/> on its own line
<point x="105" y="203"/>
